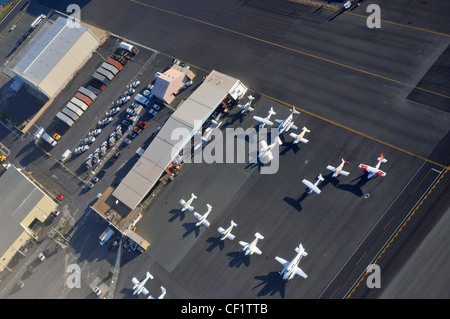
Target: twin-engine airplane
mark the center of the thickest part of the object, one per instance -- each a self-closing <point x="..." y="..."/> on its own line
<point x="248" y="106"/>
<point x="373" y="171"/>
<point x="250" y="249"/>
<point x="187" y="205"/>
<point x="226" y="233"/>
<point x="288" y="123"/>
<point x="291" y="267"/>
<point x="202" y="218"/>
<point x="139" y="286"/>
<point x="300" y="137"/>
<point x="313" y="187"/>
<point x="265" y="121"/>
<point x="339" y="170"/>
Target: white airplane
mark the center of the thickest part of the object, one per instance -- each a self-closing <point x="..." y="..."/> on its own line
<point x="287" y="124"/>
<point x="291" y="267"/>
<point x="248" y="106"/>
<point x="313" y="187"/>
<point x="208" y="131"/>
<point x="265" y="121"/>
<point x="161" y="296"/>
<point x="338" y="170"/>
<point x="300" y="137"/>
<point x="265" y="151"/>
<point x="139" y="286"/>
<point x="251" y="248"/>
<point x="374" y="170"/>
<point x="202" y="218"/>
<point x="187" y="205"/>
<point x="226" y="233"/>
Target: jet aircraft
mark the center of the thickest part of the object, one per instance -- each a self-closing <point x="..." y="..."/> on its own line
<point x="288" y="123"/>
<point x="290" y="268"/>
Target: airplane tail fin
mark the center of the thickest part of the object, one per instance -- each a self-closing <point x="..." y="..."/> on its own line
<point x="193" y="195"/>
<point x="382" y="159"/>
<point x="301" y="249"/>
<point x="259" y="236"/>
<point x="294" y="111"/>
<point x="320" y="177"/>
<point x="149" y="275"/>
<point x="305" y="129"/>
<point x="272" y="112"/>
<point x="278" y="140"/>
<point x="233" y="223"/>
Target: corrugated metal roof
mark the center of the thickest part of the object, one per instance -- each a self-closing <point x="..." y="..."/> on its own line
<point x="190" y="117"/>
<point x="44" y="51"/>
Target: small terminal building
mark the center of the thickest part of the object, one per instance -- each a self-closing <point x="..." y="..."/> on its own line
<point x="23" y="207"/>
<point x="122" y="202"/>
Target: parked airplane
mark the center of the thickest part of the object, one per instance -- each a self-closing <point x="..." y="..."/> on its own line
<point x="291" y="267"/>
<point x="248" y="106"/>
<point x="140" y="286"/>
<point x="226" y="233"/>
<point x="287" y="124"/>
<point x="202" y="218"/>
<point x="187" y="205"/>
<point x="251" y="248"/>
<point x="208" y="131"/>
<point x="299" y="137"/>
<point x="374" y="170"/>
<point x="265" y="121"/>
<point x="313" y="187"/>
<point x="265" y="151"/>
<point x="339" y="170"/>
<point x="161" y="296"/>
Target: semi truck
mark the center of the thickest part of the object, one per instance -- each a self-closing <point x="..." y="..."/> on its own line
<point x="42" y="135"/>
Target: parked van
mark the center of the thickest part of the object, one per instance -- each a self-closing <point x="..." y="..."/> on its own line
<point x="106" y="235"/>
<point x="65" y="155"/>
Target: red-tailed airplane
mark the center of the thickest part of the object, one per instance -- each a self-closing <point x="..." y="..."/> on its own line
<point x="373" y="171"/>
<point x="288" y="123"/>
<point x="339" y="170"/>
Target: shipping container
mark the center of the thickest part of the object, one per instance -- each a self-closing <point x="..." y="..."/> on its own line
<point x="74" y="116"/>
<point x="65" y="118"/>
<point x="110" y="68"/>
<point x="87" y="92"/>
<point x="101" y="78"/>
<point x="106" y="73"/>
<point x="79" y="103"/>
<point x="74" y="108"/>
<point x="117" y="64"/>
<point x="94" y="89"/>
<point x="83" y="98"/>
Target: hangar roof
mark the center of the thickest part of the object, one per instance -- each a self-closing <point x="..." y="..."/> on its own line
<point x="165" y="147"/>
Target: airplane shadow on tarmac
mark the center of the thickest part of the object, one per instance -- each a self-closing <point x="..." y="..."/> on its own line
<point x="272" y="283"/>
<point x="177" y="213"/>
<point x="215" y="241"/>
<point x="355" y="188"/>
<point x="238" y="258"/>
<point x="191" y="228"/>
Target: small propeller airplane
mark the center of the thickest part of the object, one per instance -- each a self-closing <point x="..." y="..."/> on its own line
<point x="338" y="170"/>
<point x="248" y="106"/>
<point x="161" y="296"/>
<point x="265" y="151"/>
<point x="313" y="187"/>
<point x="139" y="286"/>
<point x="187" y="205"/>
<point x="202" y="218"/>
<point x="226" y="233"/>
<point x="250" y="249"/>
<point x="300" y="137"/>
<point x="265" y="121"/>
<point x="288" y="123"/>
<point x="374" y="171"/>
<point x="291" y="267"/>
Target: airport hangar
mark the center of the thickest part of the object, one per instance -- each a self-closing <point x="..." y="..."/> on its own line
<point x="122" y="202"/>
<point x="53" y="57"/>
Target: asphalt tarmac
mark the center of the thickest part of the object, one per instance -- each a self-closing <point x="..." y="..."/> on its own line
<point x="351" y="85"/>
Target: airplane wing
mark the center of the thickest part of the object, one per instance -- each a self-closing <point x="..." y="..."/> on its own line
<point x="144" y="291"/>
<point x="293" y="127"/>
<point x="221" y="230"/>
<point x="243" y="244"/>
<point x="311" y="186"/>
<point x="262" y="120"/>
<point x="285" y="263"/>
<point x="198" y="216"/>
<point x="300" y="273"/>
<point x="344" y="173"/>
<point x="135" y="281"/>
<point x="331" y="168"/>
<point x="278" y="121"/>
<point x="256" y="250"/>
<point x="295" y="136"/>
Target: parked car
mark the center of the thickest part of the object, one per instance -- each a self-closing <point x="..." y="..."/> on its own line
<point x="59" y="196"/>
